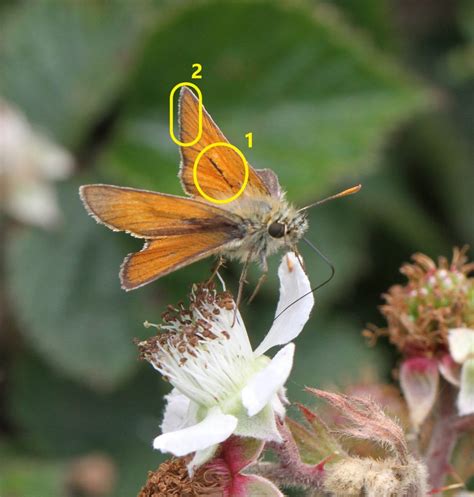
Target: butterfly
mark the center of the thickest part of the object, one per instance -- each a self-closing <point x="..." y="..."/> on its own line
<point x="181" y="230"/>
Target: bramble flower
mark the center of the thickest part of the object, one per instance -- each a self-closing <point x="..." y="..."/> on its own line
<point x="29" y="164"/>
<point x="221" y="386"/>
<point x="436" y="299"/>
<point x="461" y="348"/>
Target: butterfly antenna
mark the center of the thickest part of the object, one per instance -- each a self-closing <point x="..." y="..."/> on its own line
<point x="345" y="193"/>
<point x="325" y="282"/>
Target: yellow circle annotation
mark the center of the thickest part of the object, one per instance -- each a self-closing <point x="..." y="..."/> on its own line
<point x="246" y="173"/>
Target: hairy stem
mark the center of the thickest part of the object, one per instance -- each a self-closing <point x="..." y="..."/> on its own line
<point x="443" y="438"/>
<point x="291" y="470"/>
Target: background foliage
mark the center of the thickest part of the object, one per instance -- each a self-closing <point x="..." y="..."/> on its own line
<point x="335" y="92"/>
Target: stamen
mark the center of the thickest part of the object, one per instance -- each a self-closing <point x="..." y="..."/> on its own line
<point x="198" y="349"/>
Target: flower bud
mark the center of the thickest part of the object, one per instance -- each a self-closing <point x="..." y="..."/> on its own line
<point x="354" y="477"/>
<point x="419" y="380"/>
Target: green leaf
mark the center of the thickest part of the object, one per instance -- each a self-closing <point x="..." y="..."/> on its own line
<point x="66" y="293"/>
<point x="26" y="476"/>
<point x="64" y="62"/>
<point x="388" y="201"/>
<point x="340" y="357"/>
<point x="374" y="16"/>
<point x="58" y="419"/>
<point x="257" y="485"/>
<point x="319" y="100"/>
<point x="315" y="443"/>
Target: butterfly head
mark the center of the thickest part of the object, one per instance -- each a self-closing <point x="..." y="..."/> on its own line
<point x="289" y="227"/>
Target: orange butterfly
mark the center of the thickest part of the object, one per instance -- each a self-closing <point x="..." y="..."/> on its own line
<point x="181" y="230"/>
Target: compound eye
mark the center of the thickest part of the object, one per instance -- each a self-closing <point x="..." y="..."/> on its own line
<point x="276" y="230"/>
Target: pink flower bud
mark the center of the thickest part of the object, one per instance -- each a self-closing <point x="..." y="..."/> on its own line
<point x="419" y="380"/>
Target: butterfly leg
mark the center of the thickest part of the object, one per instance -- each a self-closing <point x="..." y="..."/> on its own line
<point x="219" y="263"/>
<point x="260" y="281"/>
<point x="242" y="281"/>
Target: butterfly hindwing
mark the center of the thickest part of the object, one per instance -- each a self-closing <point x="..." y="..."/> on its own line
<point x="165" y="255"/>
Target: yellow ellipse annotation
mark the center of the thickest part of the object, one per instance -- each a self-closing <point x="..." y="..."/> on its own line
<point x="195" y="171"/>
<point x="199" y="134"/>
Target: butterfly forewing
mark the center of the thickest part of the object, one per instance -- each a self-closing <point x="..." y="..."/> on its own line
<point x="220" y="170"/>
<point x="147" y="214"/>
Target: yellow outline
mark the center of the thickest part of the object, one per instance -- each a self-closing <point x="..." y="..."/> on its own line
<point x="246" y="174"/>
<point x="172" y="135"/>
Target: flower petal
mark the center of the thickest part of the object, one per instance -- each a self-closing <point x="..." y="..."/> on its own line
<point x="466" y="392"/>
<point x="54" y="162"/>
<point x="261" y="388"/>
<point x="179" y="412"/>
<point x="449" y="369"/>
<point x="34" y="202"/>
<point x="293" y="284"/>
<point x="461" y="343"/>
<point x="213" y="429"/>
<point x="201" y="457"/>
<point x="262" y="426"/>
<point x="277" y="404"/>
<point x="419" y="380"/>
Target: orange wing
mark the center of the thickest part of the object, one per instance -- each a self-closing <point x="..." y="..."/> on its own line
<point x="165" y="255"/>
<point x="146" y="214"/>
<point x="220" y="170"/>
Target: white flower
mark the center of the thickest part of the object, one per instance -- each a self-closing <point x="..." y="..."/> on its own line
<point x="461" y="348"/>
<point x="29" y="162"/>
<point x="221" y="386"/>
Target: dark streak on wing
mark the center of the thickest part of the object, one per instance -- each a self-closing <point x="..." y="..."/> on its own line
<point x="219" y="170"/>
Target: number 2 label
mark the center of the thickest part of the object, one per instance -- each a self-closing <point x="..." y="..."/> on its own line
<point x="197" y="73"/>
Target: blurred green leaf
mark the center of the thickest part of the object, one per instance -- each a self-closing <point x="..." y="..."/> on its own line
<point x="23" y="476"/>
<point x="60" y="419"/>
<point x="319" y="100"/>
<point x="66" y="293"/>
<point x="466" y="18"/>
<point x="371" y="15"/>
<point x="443" y="152"/>
<point x="63" y="62"/>
<point x="387" y="200"/>
<point x="340" y="358"/>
